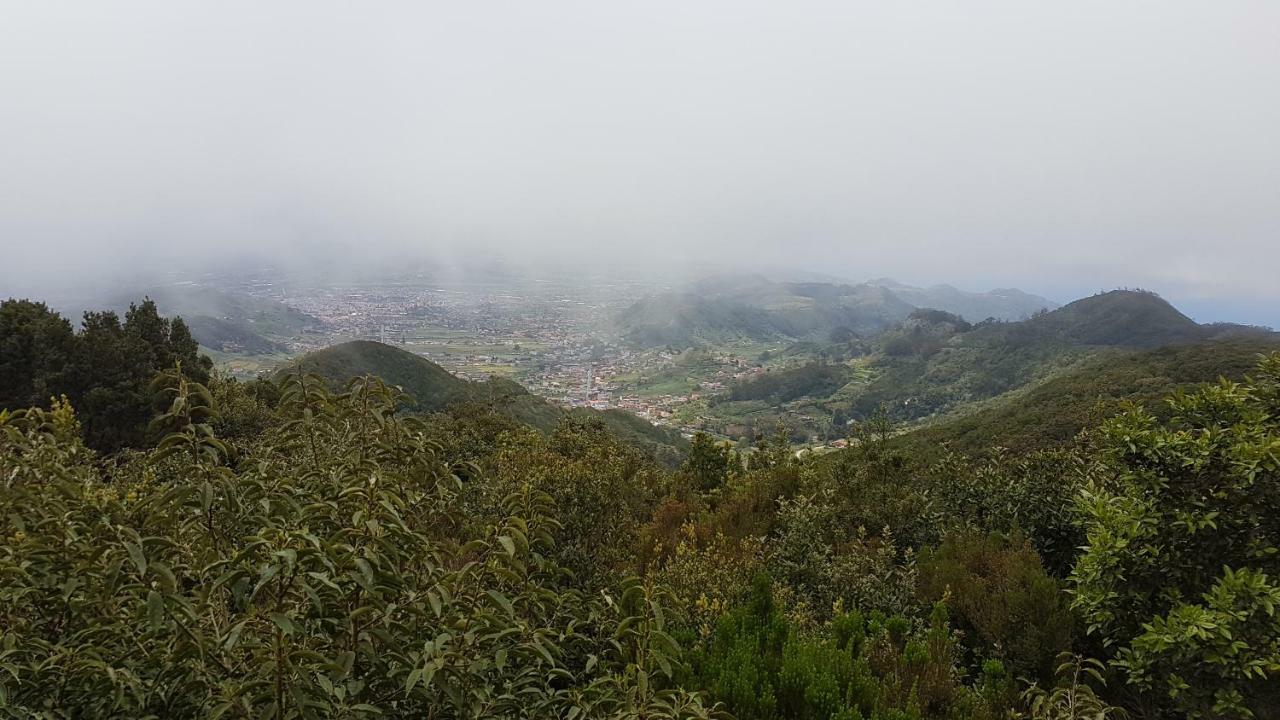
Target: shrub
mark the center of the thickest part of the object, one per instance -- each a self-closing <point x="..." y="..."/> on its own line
<point x="1005" y="603"/>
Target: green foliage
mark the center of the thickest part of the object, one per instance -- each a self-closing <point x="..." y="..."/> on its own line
<point x="1031" y="495"/>
<point x="779" y="386"/>
<point x="1071" y="697"/>
<point x="871" y="668"/>
<point x="1005" y="603"/>
<point x="1179" y="576"/>
<point x="601" y="490"/>
<point x="826" y="563"/>
<point x="327" y="574"/>
<point x="35" y="345"/>
<point x="105" y="369"/>
<point x="710" y="465"/>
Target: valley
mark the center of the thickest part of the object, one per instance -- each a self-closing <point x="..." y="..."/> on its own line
<point x="733" y="356"/>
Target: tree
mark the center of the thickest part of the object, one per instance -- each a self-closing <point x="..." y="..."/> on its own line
<point x="710" y="464"/>
<point x="1179" y="575"/>
<point x="35" y="344"/>
<point x="104" y="370"/>
<point x="1007" y="605"/>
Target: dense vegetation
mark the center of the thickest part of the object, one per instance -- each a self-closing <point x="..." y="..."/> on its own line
<point x="815" y="378"/>
<point x="105" y="368"/>
<point x="1051" y="413"/>
<point x="290" y="548"/>
<point x="1042" y="376"/>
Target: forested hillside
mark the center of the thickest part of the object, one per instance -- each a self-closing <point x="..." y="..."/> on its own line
<point x="936" y="367"/>
<point x="1052" y="413"/>
<point x="231" y="322"/>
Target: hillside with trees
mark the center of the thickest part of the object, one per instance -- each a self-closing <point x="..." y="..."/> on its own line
<point x="735" y="308"/>
<point x="936" y="367"/>
<point x="430" y="388"/>
<point x="324" y="546"/>
<point x="105" y="367"/>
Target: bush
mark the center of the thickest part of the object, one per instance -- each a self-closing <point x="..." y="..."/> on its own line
<point x="1179" y="575"/>
<point x="873" y="668"/>
<point x="1006" y="604"/>
<point x="329" y="574"/>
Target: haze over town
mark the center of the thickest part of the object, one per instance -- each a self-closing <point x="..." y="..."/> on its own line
<point x="1062" y="149"/>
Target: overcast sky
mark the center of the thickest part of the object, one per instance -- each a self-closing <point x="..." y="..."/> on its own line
<point x="1061" y="147"/>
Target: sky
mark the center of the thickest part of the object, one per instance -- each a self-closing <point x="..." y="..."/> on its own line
<point x="1062" y="148"/>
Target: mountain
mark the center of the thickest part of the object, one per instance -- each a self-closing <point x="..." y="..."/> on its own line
<point x="686" y="319"/>
<point x="431" y="388"/>
<point x="1051" y="413"/>
<point x="935" y="364"/>
<point x="730" y="308"/>
<point x="956" y="365"/>
<point x="1001" y="304"/>
<point x="1127" y="318"/>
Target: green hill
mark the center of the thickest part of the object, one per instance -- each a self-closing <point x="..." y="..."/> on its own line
<point x="431" y="388"/>
<point x="1053" y="412"/>
<point x="927" y="367"/>
<point x="686" y="319"/>
<point x="1121" y="318"/>
<point x="934" y="365"/>
<point x="735" y="307"/>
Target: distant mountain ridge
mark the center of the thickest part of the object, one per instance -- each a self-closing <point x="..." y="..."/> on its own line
<point x="433" y="388"/>
<point x="935" y="363"/>
<point x="919" y="377"/>
<point x="752" y="307"/>
<point x="1001" y="303"/>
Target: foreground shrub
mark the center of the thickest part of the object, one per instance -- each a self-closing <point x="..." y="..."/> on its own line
<point x="1180" y="578"/>
<point x="327" y="576"/>
<point x="872" y="668"/>
<point x="1005" y="603"/>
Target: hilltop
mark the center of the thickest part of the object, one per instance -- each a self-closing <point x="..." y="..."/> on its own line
<point x="960" y="364"/>
<point x="431" y="388"/>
